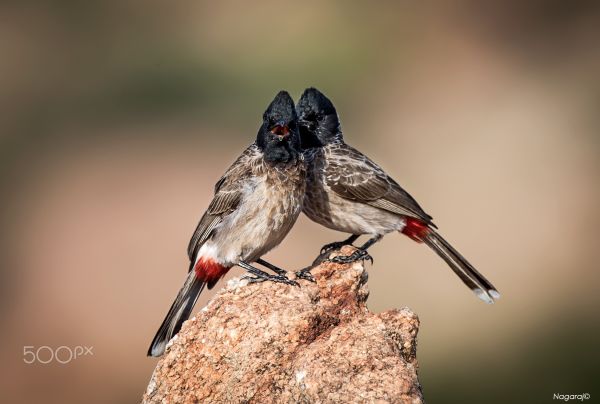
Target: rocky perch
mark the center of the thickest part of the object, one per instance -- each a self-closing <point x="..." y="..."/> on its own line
<point x="271" y="342"/>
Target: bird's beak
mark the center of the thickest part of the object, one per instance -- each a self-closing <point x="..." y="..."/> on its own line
<point x="281" y="130"/>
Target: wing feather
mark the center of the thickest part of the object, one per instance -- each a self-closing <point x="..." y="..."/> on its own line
<point x="352" y="175"/>
<point x="228" y="194"/>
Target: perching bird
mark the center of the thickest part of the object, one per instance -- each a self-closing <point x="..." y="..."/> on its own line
<point x="348" y="192"/>
<point x="256" y="203"/>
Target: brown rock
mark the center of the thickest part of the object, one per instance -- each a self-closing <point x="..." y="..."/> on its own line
<point x="270" y="342"/>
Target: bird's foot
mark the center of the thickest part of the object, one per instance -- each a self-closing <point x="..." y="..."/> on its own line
<point x="305" y="274"/>
<point x="271" y="278"/>
<point x="357" y="255"/>
<point x="336" y="245"/>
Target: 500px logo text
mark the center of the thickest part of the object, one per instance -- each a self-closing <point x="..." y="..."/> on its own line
<point x="62" y="354"/>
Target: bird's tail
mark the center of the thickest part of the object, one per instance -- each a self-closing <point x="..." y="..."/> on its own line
<point x="461" y="267"/>
<point x="179" y="312"/>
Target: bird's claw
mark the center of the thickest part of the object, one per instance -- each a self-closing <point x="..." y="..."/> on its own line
<point x="306" y="275"/>
<point x="271" y="278"/>
<point x="355" y="256"/>
<point x="336" y="245"/>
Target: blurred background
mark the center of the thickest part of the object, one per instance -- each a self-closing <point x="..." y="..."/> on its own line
<point x="119" y="116"/>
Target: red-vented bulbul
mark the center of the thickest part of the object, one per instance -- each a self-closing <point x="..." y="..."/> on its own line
<point x="255" y="205"/>
<point x="348" y="192"/>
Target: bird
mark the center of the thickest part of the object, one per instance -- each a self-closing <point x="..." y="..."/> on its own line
<point x="255" y="204"/>
<point x="348" y="192"/>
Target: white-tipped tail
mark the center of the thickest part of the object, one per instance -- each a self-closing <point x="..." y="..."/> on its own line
<point x="483" y="295"/>
<point x="462" y="268"/>
<point x="494" y="293"/>
<point x="179" y="312"/>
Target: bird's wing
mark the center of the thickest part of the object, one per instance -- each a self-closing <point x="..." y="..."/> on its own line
<point x="228" y="193"/>
<point x="354" y="176"/>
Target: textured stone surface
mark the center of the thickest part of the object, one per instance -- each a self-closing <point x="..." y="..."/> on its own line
<point x="277" y="343"/>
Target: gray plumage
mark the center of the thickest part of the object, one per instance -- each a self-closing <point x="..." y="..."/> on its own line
<point x="255" y="204"/>
<point x="346" y="191"/>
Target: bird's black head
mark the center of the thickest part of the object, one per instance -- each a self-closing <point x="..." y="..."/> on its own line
<point x="278" y="135"/>
<point x="318" y="120"/>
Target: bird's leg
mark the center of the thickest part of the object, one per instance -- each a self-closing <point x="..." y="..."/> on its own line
<point x="339" y="244"/>
<point x="304" y="273"/>
<point x="360" y="253"/>
<point x="371" y="241"/>
<point x="277" y="270"/>
<point x="261" y="276"/>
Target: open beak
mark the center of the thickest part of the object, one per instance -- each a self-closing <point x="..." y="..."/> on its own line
<point x="280" y="130"/>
